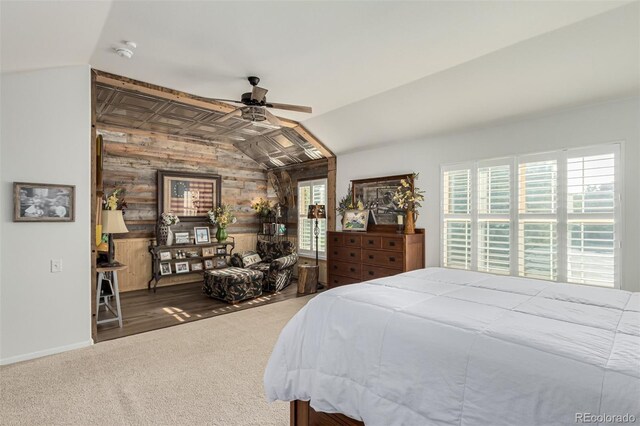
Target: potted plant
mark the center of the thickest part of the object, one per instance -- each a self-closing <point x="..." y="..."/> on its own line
<point x="408" y="198"/>
<point x="221" y="217"/>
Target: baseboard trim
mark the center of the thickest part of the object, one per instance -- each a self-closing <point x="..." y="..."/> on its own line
<point x="39" y="354"/>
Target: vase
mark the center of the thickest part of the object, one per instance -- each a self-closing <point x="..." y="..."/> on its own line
<point x="221" y="234"/>
<point x="163" y="234"/>
<point x="169" y="236"/>
<point x="410" y="223"/>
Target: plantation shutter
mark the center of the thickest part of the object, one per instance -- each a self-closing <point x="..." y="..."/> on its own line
<point x="538" y="217"/>
<point x="591" y="220"/>
<point x="311" y="192"/>
<point x="494" y="218"/>
<point x="457" y="218"/>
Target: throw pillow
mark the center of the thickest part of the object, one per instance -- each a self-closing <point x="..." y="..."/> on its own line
<point x="250" y="258"/>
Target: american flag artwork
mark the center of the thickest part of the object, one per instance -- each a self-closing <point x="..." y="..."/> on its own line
<point x="189" y="196"/>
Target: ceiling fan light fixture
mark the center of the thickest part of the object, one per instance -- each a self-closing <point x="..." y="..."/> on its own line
<point x="253" y="113"/>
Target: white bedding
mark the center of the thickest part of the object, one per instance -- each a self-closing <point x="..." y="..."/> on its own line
<point x="444" y="347"/>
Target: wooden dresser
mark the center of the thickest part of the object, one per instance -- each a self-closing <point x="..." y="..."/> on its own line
<point x="354" y="257"/>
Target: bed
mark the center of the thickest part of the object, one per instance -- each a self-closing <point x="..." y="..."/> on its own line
<point x="446" y="347"/>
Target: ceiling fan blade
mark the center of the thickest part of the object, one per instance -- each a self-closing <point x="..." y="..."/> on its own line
<point x="298" y="108"/>
<point x="228" y="115"/>
<point x="272" y="118"/>
<point x="258" y="93"/>
<point x="225" y="100"/>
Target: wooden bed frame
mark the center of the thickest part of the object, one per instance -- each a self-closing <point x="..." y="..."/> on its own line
<point x="303" y="415"/>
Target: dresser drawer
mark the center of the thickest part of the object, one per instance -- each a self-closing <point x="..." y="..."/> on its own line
<point x="336" y="240"/>
<point x="345" y="254"/>
<point x="353" y="240"/>
<point x="392" y="243"/>
<point x="371" y="242"/>
<point x="345" y="269"/>
<point x="386" y="258"/>
<point x="337" y="280"/>
<point x="373" y="272"/>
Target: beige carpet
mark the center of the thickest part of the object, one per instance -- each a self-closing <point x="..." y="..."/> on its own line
<point x="208" y="372"/>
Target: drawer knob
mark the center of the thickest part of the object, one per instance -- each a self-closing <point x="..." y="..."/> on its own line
<point x="370" y="272"/>
<point x="335" y="266"/>
<point x="370" y="241"/>
<point x="352" y="254"/>
<point x="392" y="243"/>
<point x="370" y="256"/>
<point x="352" y="269"/>
<point x="352" y="240"/>
<point x="392" y="259"/>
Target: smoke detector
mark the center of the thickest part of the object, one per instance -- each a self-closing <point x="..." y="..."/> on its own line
<point x="126" y="52"/>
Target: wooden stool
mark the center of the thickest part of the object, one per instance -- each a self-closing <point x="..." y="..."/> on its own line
<point x="107" y="293"/>
<point x="308" y="279"/>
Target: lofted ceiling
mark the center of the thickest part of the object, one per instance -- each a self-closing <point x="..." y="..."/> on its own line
<point x="268" y="145"/>
<point x="374" y="71"/>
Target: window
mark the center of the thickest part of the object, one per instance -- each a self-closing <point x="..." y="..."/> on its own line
<point x="549" y="216"/>
<point x="311" y="192"/>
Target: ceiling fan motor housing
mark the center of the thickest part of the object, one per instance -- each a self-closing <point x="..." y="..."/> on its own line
<point x="246" y="99"/>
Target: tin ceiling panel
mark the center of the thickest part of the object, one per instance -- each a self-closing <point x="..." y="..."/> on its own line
<point x="268" y="145"/>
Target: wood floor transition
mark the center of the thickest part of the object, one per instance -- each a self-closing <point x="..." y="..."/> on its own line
<point x="144" y="310"/>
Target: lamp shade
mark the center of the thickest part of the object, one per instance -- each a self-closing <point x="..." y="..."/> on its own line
<point x="113" y="222"/>
<point x="317" y="211"/>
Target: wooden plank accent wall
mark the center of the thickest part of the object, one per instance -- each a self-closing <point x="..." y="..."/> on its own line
<point x="132" y="159"/>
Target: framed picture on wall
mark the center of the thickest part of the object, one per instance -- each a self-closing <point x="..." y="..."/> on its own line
<point x="43" y="202"/>
<point x="377" y="195"/>
<point x="188" y="195"/>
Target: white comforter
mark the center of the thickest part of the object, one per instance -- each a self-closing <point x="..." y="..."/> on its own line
<point x="445" y="347"/>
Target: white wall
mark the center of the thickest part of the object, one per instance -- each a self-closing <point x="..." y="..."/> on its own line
<point x="607" y="122"/>
<point x="45" y="133"/>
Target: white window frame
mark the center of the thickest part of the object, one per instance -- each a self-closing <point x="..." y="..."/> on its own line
<point x="322" y="255"/>
<point x="561" y="216"/>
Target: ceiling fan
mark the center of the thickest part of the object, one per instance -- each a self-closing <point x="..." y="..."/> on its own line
<point x="255" y="107"/>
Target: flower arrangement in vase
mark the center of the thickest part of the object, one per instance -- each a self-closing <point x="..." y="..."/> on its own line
<point x="262" y="207"/>
<point x="346" y="203"/>
<point x="222" y="217"/>
<point x="165" y="235"/>
<point x="409" y="197"/>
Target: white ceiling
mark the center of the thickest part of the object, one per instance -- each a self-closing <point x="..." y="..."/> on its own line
<point x="373" y="71"/>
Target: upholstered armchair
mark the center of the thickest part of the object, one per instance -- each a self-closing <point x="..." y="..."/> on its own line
<point x="274" y="259"/>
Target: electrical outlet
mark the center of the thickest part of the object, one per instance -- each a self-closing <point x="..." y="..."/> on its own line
<point x="56" y="265"/>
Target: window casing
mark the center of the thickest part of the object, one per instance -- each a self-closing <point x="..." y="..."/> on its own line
<point x="311" y="192"/>
<point x="551" y="216"/>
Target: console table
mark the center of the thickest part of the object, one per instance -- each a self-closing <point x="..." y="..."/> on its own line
<point x="218" y="250"/>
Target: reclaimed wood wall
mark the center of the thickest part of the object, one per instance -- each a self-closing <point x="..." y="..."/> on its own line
<point x="132" y="159"/>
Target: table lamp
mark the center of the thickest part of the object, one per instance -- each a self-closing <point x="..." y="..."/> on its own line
<point x="316" y="211"/>
<point x="113" y="223"/>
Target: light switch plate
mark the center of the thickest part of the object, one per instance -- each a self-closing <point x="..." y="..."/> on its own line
<point x="56" y="265"/>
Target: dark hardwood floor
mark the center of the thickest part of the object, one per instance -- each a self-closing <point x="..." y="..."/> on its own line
<point x="144" y="310"/>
